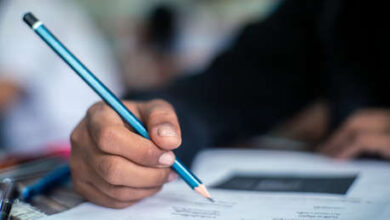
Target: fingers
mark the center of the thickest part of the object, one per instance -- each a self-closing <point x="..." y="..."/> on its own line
<point x="91" y="193"/>
<point x="123" y="193"/>
<point x="113" y="166"/>
<point x="96" y="189"/>
<point x="100" y="115"/>
<point x="119" y="171"/>
<point x="364" y="121"/>
<point x="120" y="194"/>
<point x="81" y="181"/>
<point x="367" y="143"/>
<point x="117" y="140"/>
<point x="111" y="136"/>
<point x="337" y="140"/>
<point x="162" y="123"/>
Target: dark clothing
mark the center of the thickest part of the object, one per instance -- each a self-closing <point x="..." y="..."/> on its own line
<point x="333" y="49"/>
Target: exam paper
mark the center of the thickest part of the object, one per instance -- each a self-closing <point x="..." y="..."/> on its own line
<point x="177" y="202"/>
<point x="366" y="197"/>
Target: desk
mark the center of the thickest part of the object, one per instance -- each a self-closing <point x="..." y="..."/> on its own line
<point x="367" y="198"/>
<point x="57" y="200"/>
<point x="364" y="194"/>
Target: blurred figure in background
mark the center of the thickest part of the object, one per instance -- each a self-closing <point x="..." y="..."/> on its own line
<point x="151" y="63"/>
<point x="158" y="41"/>
<point x="41" y="98"/>
<point x="305" y="51"/>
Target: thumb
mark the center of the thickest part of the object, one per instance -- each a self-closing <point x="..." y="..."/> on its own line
<point x="162" y="124"/>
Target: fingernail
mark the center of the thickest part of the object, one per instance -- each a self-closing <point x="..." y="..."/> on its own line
<point x="166" y="130"/>
<point x="172" y="176"/>
<point x="166" y="159"/>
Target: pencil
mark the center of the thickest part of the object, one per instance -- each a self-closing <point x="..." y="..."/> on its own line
<point x="108" y="96"/>
<point x="52" y="179"/>
<point x="7" y="198"/>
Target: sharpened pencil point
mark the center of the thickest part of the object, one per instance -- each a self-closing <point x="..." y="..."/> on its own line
<point x="201" y="189"/>
<point x="211" y="200"/>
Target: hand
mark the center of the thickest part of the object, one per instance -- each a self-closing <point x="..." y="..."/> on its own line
<point x="367" y="131"/>
<point x="113" y="166"/>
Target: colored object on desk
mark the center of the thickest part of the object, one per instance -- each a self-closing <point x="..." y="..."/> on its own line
<point x="107" y="96"/>
<point x="56" y="177"/>
<point x="52" y="150"/>
<point x="7" y="198"/>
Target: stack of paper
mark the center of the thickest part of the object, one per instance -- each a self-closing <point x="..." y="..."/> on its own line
<point x="269" y="185"/>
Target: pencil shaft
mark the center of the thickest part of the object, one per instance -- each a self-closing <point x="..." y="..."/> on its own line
<point x="91" y="79"/>
<point x="105" y="93"/>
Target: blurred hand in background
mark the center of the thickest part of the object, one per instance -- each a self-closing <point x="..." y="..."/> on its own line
<point x="365" y="132"/>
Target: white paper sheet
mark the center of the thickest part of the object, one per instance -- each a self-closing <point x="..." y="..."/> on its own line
<point x="368" y="198"/>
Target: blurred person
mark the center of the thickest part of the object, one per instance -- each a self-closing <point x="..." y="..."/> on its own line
<point x="41" y="99"/>
<point x="158" y="41"/>
<point x="306" y="50"/>
<point x="151" y="62"/>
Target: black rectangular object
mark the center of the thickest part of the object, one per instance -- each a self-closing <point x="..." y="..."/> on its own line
<point x="289" y="183"/>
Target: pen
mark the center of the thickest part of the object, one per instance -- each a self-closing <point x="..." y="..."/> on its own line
<point x="50" y="180"/>
<point x="7" y="198"/>
<point x="108" y="96"/>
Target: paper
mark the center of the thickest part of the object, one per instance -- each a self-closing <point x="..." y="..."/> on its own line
<point x="25" y="211"/>
<point x="366" y="197"/>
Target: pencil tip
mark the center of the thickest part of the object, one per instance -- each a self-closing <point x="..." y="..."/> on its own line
<point x="211" y="199"/>
<point x="201" y="189"/>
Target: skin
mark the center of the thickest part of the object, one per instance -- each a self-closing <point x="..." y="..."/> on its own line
<point x="366" y="131"/>
<point x="114" y="167"/>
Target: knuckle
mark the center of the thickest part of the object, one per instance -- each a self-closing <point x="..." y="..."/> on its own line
<point x="123" y="195"/>
<point x="75" y="166"/>
<point x="160" y="106"/>
<point x="120" y="205"/>
<point x="160" y="102"/>
<point x="126" y="194"/>
<point x="75" y="136"/>
<point x="74" y="139"/>
<point x="161" y="113"/>
<point x="94" y="108"/>
<point x="161" y="176"/>
<point x="131" y="105"/>
<point x="77" y="187"/>
<point x="150" y="155"/>
<point x="110" y="170"/>
<point x="104" y="138"/>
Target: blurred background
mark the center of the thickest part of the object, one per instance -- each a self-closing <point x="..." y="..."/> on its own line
<point x="129" y="44"/>
<point x="156" y="40"/>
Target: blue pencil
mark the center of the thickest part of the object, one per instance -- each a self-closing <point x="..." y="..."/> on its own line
<point x="50" y="180"/>
<point x="107" y="96"/>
